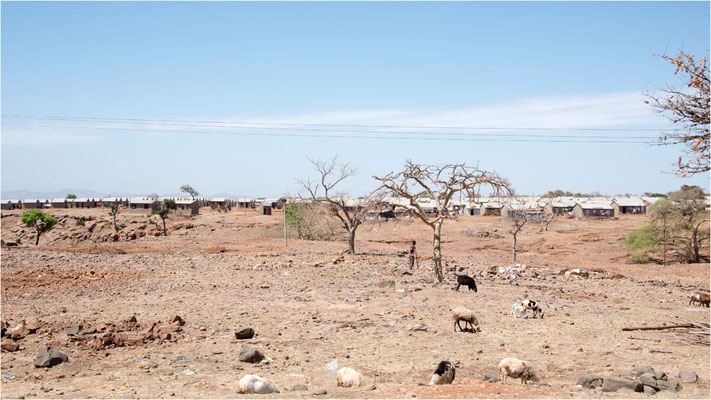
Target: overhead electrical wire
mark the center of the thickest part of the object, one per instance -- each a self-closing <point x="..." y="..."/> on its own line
<point x="534" y="138"/>
<point x="227" y="123"/>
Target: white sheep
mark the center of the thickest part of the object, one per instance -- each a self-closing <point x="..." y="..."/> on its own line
<point x="255" y="384"/>
<point x="444" y="374"/>
<point x="466" y="315"/>
<point x="347" y="377"/>
<point x="515" y="368"/>
<point x="517" y="308"/>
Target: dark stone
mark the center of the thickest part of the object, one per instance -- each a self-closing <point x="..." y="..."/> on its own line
<point x="671" y="386"/>
<point x="250" y="355"/>
<point x="589" y="381"/>
<point x="688" y="376"/>
<point x="615" y="383"/>
<point x="660" y="376"/>
<point x="74" y="330"/>
<point x="246" y="333"/>
<point x="491" y="376"/>
<point x="299" y="388"/>
<point x="50" y="356"/>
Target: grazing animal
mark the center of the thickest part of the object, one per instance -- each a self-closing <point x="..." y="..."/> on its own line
<point x="515" y="368"/>
<point x="255" y="384"/>
<point x="444" y="374"/>
<point x="466" y="281"/>
<point x="517" y="308"/>
<point x="701" y="298"/>
<point x="533" y="306"/>
<point x="347" y="377"/>
<point x="466" y="315"/>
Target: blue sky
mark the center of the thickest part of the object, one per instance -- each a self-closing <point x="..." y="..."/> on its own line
<point x="506" y="65"/>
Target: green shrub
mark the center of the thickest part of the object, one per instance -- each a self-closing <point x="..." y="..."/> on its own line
<point x="80" y="221"/>
<point x="642" y="243"/>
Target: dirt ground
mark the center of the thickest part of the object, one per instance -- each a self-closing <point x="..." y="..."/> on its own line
<point x="309" y="304"/>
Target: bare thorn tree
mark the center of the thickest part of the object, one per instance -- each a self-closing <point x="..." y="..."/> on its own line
<point x="441" y="183"/>
<point x="689" y="109"/>
<point x="350" y="212"/>
<point x="189" y="190"/>
<point x="519" y="218"/>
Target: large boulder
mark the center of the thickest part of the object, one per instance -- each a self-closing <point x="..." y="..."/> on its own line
<point x="589" y="381"/>
<point x="49" y="357"/>
<point x="616" y="383"/>
<point x="669" y="386"/>
<point x="19" y="331"/>
<point x="250" y="355"/>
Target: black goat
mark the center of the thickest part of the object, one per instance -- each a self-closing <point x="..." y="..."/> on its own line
<point x="466" y="281"/>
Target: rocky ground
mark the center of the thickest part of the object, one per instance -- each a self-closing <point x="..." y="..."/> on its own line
<point x="310" y="304"/>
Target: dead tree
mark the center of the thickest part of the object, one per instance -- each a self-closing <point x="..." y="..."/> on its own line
<point x="546" y="220"/>
<point x="519" y="218"/>
<point x="689" y="109"/>
<point x="439" y="182"/>
<point x="350" y="212"/>
<point x="113" y="211"/>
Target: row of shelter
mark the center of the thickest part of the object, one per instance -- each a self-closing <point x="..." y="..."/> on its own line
<point x="579" y="207"/>
<point x="146" y="204"/>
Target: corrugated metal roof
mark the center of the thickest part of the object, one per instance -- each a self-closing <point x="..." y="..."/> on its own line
<point x="629" y="201"/>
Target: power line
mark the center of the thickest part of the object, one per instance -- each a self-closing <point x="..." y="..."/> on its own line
<point x="380" y="137"/>
<point x="228" y="123"/>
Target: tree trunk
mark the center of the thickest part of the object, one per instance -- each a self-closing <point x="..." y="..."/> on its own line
<point x="437" y="251"/>
<point x="165" y="233"/>
<point x="513" y="247"/>
<point x="695" y="246"/>
<point x="115" y="227"/>
<point x="38" y="235"/>
<point x="351" y="240"/>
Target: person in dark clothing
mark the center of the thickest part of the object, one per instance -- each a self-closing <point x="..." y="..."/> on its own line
<point x="413" y="254"/>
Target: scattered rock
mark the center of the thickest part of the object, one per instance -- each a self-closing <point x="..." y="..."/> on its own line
<point x="648" y="379"/>
<point x="177" y="320"/>
<point x="74" y="330"/>
<point x="18" y="332"/>
<point x="491" y="376"/>
<point x="688" y="376"/>
<point x="589" y="381"/>
<point x="319" y="392"/>
<point x="657" y="349"/>
<point x="246" y="333"/>
<point x="250" y="355"/>
<point x="299" y="388"/>
<point x="649" y="389"/>
<point x="671" y="386"/>
<point x="615" y="384"/>
<point x="660" y="376"/>
<point x="642" y="369"/>
<point x="50" y="356"/>
<point x="9" y="345"/>
<point x="388" y="283"/>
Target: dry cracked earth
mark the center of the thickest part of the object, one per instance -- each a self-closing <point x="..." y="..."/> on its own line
<point x="310" y="304"/>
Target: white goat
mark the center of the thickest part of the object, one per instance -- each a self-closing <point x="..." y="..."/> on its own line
<point x="515" y="368"/>
<point x="255" y="384"/>
<point x="466" y="315"/>
<point x="347" y="377"/>
<point x="517" y="308"/>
